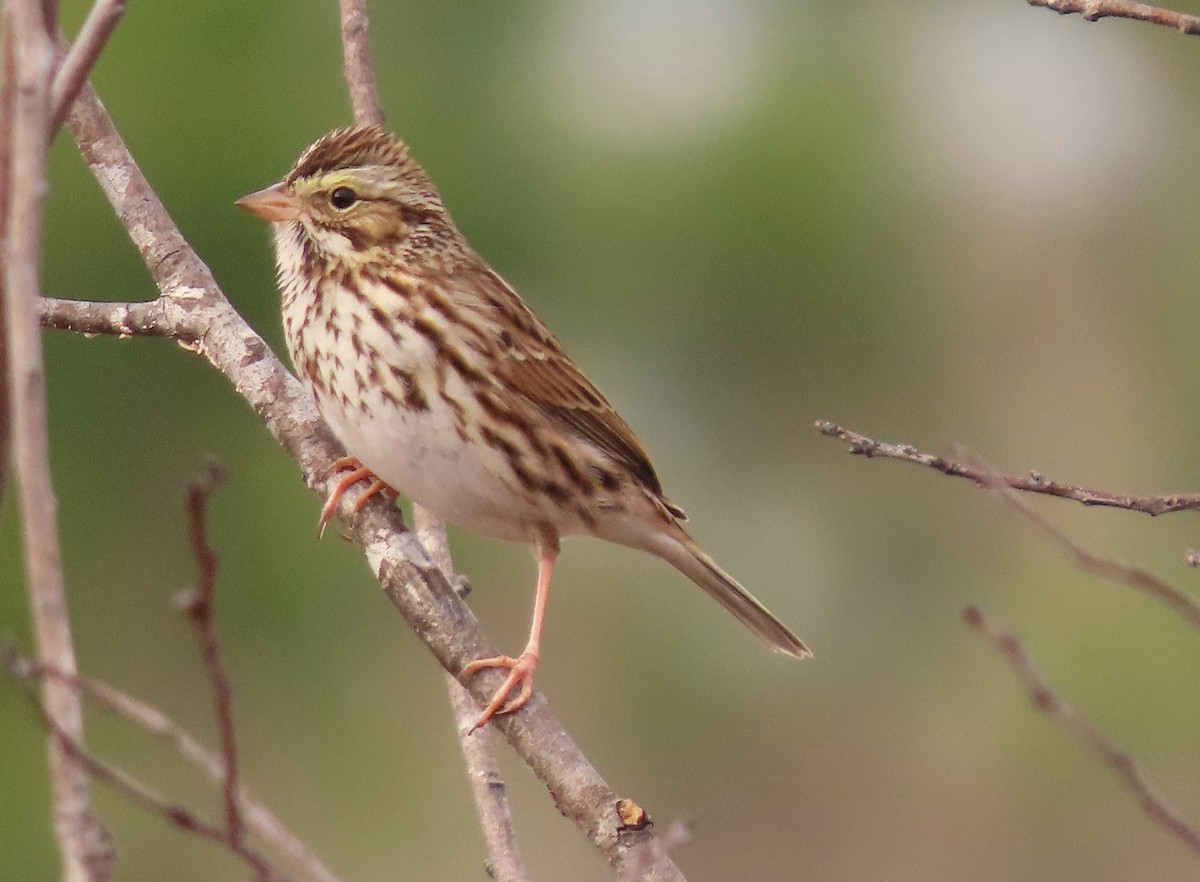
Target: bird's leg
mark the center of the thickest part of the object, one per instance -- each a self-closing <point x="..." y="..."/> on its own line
<point x="521" y="669"/>
<point x="355" y="472"/>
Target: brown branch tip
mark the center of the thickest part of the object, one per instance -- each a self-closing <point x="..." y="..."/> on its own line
<point x="1094" y="10"/>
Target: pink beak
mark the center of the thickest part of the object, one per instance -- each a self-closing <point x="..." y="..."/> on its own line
<point x="273" y="204"/>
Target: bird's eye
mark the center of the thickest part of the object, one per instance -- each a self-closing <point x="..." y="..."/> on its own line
<point x="342" y="198"/>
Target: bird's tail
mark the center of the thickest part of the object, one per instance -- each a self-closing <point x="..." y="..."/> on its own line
<point x="681" y="552"/>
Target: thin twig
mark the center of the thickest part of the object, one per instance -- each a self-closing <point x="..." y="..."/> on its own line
<point x="359" y="67"/>
<point x="1032" y="482"/>
<point x="1106" y="568"/>
<point x="179" y="816"/>
<point x="193" y="311"/>
<point x="1048" y="702"/>
<point x="260" y="819"/>
<point x="1094" y="10"/>
<point x="987" y="478"/>
<point x="86" y="848"/>
<point x="504" y="862"/>
<point x="197" y="605"/>
<point x="183" y="818"/>
<point x="101" y="21"/>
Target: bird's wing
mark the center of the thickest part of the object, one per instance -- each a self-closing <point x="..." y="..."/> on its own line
<point x="533" y="364"/>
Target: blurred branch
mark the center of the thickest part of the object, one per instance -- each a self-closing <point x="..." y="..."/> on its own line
<point x="192" y="310"/>
<point x="677" y="835"/>
<point x="131" y="788"/>
<point x="988" y="479"/>
<point x="359" y="66"/>
<point x="86" y="848"/>
<point x="1094" y="10"/>
<point x="1048" y="702"/>
<point x="1115" y="571"/>
<point x="504" y="862"/>
<point x="1032" y="482"/>
<point x="8" y="88"/>
<point x="73" y="72"/>
<point x="259" y="818"/>
<point x="197" y="605"/>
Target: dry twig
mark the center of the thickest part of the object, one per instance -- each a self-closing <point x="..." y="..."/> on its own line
<point x="359" y="66"/>
<point x="1048" y="702"/>
<point x="1032" y="482"/>
<point x="81" y="57"/>
<point x="1094" y="10"/>
<point x="197" y="605"/>
<point x="987" y="478"/>
<point x="261" y="821"/>
<point x="124" y="783"/>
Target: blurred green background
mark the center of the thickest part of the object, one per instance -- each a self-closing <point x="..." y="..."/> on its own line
<point x="949" y="222"/>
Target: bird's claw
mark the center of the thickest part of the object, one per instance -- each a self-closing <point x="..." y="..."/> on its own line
<point x="355" y="472"/>
<point x="520" y="674"/>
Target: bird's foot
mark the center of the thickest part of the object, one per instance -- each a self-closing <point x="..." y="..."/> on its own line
<point x="520" y="674"/>
<point x="355" y="472"/>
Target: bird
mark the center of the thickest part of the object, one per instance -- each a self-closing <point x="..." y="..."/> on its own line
<point x="445" y="387"/>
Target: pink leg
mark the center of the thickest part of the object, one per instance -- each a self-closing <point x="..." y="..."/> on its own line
<point x="522" y="668"/>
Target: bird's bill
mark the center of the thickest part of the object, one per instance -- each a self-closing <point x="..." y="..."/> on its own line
<point x="273" y="203"/>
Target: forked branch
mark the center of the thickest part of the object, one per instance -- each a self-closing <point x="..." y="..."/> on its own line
<point x="989" y="479"/>
<point x="1046" y="700"/>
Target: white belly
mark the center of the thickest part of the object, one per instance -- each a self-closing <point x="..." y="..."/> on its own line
<point x="422" y="455"/>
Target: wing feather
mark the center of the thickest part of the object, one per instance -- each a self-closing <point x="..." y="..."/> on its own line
<point x="533" y="364"/>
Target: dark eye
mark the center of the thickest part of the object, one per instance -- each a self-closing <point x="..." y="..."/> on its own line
<point x="342" y="198"/>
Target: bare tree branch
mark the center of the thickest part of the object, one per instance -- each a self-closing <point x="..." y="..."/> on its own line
<point x="259" y="818"/>
<point x="1115" y="571"/>
<point x="146" y="797"/>
<point x="1048" y="702"/>
<point x="504" y="862"/>
<point x="1032" y="482"/>
<point x="359" y="66"/>
<point x="85" y="846"/>
<point x="987" y="478"/>
<point x="73" y="72"/>
<point x="197" y="605"/>
<point x="192" y="310"/>
<point x="1094" y="10"/>
<point x="8" y="87"/>
<point x="150" y="318"/>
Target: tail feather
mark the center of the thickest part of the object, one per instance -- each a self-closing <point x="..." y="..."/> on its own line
<point x="687" y="557"/>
